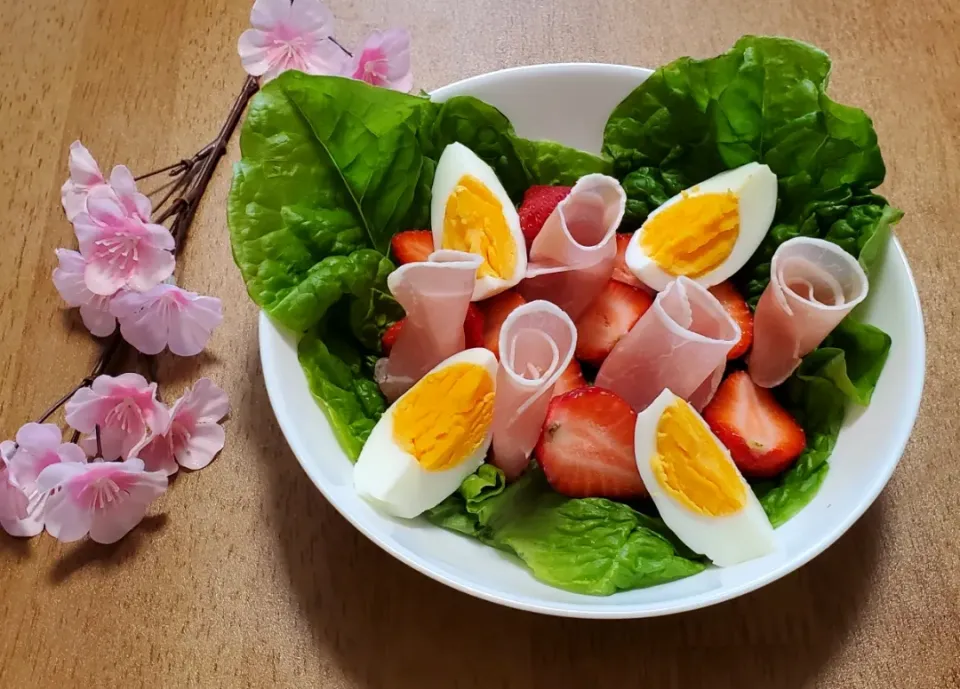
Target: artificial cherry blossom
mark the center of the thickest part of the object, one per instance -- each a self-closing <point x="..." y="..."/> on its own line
<point x="104" y="499"/>
<point x="289" y="35"/>
<point x="126" y="410"/>
<point x="37" y="447"/>
<point x="85" y="176"/>
<point x="383" y="60"/>
<point x="167" y="316"/>
<point x="94" y="308"/>
<point x="121" y="250"/>
<point x="194" y="436"/>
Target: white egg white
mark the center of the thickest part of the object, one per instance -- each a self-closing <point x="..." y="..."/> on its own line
<point x="726" y="540"/>
<point x="393" y="480"/>
<point x="456" y="161"/>
<point x="756" y="188"/>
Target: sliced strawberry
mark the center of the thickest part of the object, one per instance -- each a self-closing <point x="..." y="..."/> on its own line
<point x="473" y="327"/>
<point x="762" y="437"/>
<point x="538" y="203"/>
<point x="620" y="271"/>
<point x="735" y="305"/>
<point x="495" y="312"/>
<point x="571" y="379"/>
<point x="412" y="245"/>
<point x="390" y="335"/>
<point x="472" y="330"/>
<point x="586" y="448"/>
<point x="609" y="317"/>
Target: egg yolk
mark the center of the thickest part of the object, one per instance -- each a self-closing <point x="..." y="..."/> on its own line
<point x="694" y="235"/>
<point x="692" y="468"/>
<point x="473" y="221"/>
<point x="444" y="418"/>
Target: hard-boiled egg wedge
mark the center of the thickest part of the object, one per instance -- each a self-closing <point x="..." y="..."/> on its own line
<point x="435" y="435"/>
<point x="471" y="211"/>
<point x="707" y="232"/>
<point x="696" y="486"/>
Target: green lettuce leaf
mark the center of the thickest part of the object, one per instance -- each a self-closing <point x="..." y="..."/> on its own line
<point x="764" y="100"/>
<point x="342" y="386"/>
<point x="592" y="546"/>
<point x="844" y="370"/>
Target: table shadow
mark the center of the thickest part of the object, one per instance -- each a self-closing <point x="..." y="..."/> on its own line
<point x="389" y="626"/>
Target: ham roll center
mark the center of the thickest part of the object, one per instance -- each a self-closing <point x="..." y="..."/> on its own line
<point x="694" y="235"/>
<point x="446" y="416"/>
<point x="473" y="222"/>
<point x="691" y="467"/>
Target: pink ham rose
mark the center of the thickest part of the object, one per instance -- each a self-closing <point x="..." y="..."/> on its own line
<point x="537" y="341"/>
<point x="435" y="295"/>
<point x="813" y="285"/>
<point x="680" y="343"/>
<point x="573" y="256"/>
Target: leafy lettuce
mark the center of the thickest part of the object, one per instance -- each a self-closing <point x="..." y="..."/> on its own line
<point x="592" y="545"/>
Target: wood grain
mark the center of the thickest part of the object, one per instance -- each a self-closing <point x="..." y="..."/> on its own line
<point x="246" y="577"/>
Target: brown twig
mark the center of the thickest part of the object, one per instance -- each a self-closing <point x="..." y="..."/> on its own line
<point x="194" y="176"/>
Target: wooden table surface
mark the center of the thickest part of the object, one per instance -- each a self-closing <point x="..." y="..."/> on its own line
<point x="246" y="577"/>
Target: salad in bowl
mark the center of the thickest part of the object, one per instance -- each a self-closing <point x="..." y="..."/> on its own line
<point x="615" y="369"/>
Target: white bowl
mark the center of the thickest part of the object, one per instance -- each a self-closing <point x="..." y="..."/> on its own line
<point x="570" y="103"/>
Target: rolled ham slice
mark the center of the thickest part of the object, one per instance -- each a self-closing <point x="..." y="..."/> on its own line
<point x="681" y="343"/>
<point x="435" y="295"/>
<point x="537" y="342"/>
<point x="573" y="256"/>
<point x="813" y="285"/>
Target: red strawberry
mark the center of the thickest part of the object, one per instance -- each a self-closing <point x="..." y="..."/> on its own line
<point x="472" y="330"/>
<point x="538" y="204"/>
<point x="495" y="312"/>
<point x="620" y="271"/>
<point x="734" y="305"/>
<point x="390" y="335"/>
<point x="473" y="327"/>
<point x="412" y="245"/>
<point x="571" y="379"/>
<point x="609" y="317"/>
<point x="762" y="437"/>
<point x="586" y="448"/>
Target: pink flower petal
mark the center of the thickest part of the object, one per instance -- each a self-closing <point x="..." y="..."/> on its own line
<point x="39" y="437"/>
<point x="83" y="168"/>
<point x="13" y="501"/>
<point x="205" y="402"/>
<point x="311" y="16"/>
<point x="154" y="267"/>
<point x="125" y="187"/>
<point x="383" y="60"/>
<point x="202" y="445"/>
<point x="99" y="322"/>
<point x="105" y="209"/>
<point x="157" y="455"/>
<point x="267" y="14"/>
<point x="254" y="49"/>
<point x="167" y="316"/>
<point x="68" y="278"/>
